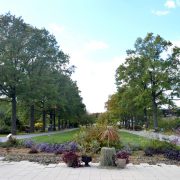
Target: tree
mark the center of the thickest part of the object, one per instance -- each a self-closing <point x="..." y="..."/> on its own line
<point x="14" y="35"/>
<point x="151" y="69"/>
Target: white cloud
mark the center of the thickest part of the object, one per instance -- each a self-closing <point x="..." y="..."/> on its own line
<point x="96" y="45"/>
<point x="160" y="13"/>
<point x="96" y="80"/>
<point x="170" y="4"/>
<point x="56" y="28"/>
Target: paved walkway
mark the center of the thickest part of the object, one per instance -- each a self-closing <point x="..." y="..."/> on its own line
<point x="27" y="136"/>
<point x="155" y="135"/>
<point x="25" y="170"/>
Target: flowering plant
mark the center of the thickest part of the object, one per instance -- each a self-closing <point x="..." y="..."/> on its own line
<point x="71" y="159"/>
<point x="123" y="155"/>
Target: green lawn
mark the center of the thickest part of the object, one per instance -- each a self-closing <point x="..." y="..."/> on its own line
<point x="56" y="138"/>
<point x="128" y="138"/>
<point x="2" y="135"/>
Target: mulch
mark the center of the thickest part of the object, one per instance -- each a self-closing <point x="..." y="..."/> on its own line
<point x="20" y="154"/>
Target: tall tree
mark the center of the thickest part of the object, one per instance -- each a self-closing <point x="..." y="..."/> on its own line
<point x="155" y="70"/>
<point x="14" y="35"/>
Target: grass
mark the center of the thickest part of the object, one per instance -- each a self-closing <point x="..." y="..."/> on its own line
<point x="56" y="138"/>
<point x="133" y="140"/>
<point x="3" y="135"/>
<point x="126" y="138"/>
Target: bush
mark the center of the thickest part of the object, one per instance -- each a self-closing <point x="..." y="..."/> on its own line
<point x="38" y="126"/>
<point x="138" y="128"/>
<point x="11" y="143"/>
<point x="158" y="147"/>
<point x="33" y="150"/>
<point x="123" y="155"/>
<point x="5" y="130"/>
<point x="90" y="139"/>
<point x="71" y="159"/>
<point x="172" y="154"/>
<point x="168" y="124"/>
<point x="52" y="148"/>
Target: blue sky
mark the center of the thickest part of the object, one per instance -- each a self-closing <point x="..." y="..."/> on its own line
<point x="97" y="33"/>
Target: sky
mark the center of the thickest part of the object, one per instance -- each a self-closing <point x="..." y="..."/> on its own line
<point x="97" y="33"/>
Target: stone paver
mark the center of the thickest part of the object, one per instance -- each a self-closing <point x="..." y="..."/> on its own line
<point x="27" y="136"/>
<point x="25" y="170"/>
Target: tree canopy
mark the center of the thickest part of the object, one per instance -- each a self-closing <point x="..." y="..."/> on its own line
<point x="148" y="78"/>
<point x="34" y="71"/>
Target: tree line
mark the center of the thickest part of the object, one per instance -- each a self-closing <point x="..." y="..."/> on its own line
<point x="35" y="74"/>
<point x="147" y="80"/>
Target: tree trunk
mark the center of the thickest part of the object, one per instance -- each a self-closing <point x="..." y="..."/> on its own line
<point x="155" y="114"/>
<point x="146" y="118"/>
<point x="59" y="122"/>
<point x="54" y="120"/>
<point x="32" y="118"/>
<point x="51" y="118"/>
<point x="44" y="120"/>
<point x="13" y="120"/>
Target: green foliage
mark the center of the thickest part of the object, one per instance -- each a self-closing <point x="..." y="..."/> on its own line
<point x="145" y="77"/>
<point x="169" y="124"/>
<point x="90" y="138"/>
<point x="5" y="129"/>
<point x="34" y="71"/>
<point x="159" y="146"/>
<point x="11" y="143"/>
<point x="38" y="126"/>
<point x="110" y="134"/>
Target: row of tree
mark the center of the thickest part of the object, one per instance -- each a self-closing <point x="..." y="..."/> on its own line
<point x="148" y="79"/>
<point x="35" y="74"/>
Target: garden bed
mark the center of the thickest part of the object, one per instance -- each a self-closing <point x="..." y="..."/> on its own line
<point x="20" y="154"/>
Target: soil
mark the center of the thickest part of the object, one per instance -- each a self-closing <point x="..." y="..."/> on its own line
<point x="19" y="154"/>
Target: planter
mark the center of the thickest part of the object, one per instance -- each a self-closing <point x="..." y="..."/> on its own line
<point x="86" y="159"/>
<point x="69" y="164"/>
<point x="107" y="157"/>
<point x="121" y="163"/>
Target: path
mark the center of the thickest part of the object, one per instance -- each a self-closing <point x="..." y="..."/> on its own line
<point x="25" y="170"/>
<point x="155" y="135"/>
<point x="27" y="136"/>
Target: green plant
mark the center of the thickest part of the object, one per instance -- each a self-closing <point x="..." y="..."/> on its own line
<point x="5" y="129"/>
<point x="38" y="126"/>
<point x="88" y="139"/>
<point x="158" y="147"/>
<point x="110" y="134"/>
<point x="71" y="159"/>
<point x="123" y="155"/>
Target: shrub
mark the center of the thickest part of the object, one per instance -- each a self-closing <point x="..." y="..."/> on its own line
<point x="11" y="143"/>
<point x="138" y="128"/>
<point x="172" y="154"/>
<point x="33" y="150"/>
<point x="90" y="139"/>
<point x="158" y="147"/>
<point x="123" y="155"/>
<point x="28" y="143"/>
<point x="38" y="126"/>
<point x="110" y="134"/>
<point x="5" y="130"/>
<point x="169" y="124"/>
<point x="71" y="159"/>
<point x="52" y="148"/>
